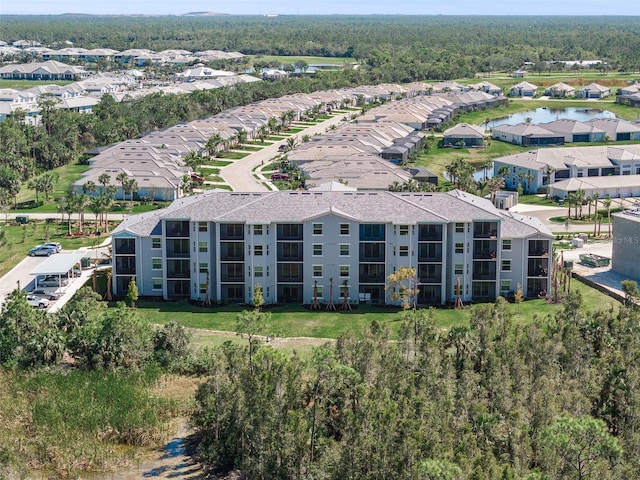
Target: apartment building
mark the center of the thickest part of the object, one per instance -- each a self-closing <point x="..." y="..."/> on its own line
<point x="325" y="245"/>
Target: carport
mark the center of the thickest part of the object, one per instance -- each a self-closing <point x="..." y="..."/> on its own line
<point x="57" y="265"/>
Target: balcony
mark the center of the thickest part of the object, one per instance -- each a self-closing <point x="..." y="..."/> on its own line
<point x="485" y="229"/>
<point x="372" y="252"/>
<point x="232" y="251"/>
<point x="485" y="249"/>
<point x="179" y="229"/>
<point x="538" y="248"/>
<point x="430" y="252"/>
<point x="231" y="231"/>
<point x="430" y="233"/>
<point x="290" y="252"/>
<point x="537" y="267"/>
<point x="177" y="248"/>
<point x="125" y="265"/>
<point x="125" y="246"/>
<point x="232" y="272"/>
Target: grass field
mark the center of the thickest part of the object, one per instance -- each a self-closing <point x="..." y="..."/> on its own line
<point x="294" y="321"/>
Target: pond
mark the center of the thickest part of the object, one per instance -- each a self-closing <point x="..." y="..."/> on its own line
<point x="549" y="114"/>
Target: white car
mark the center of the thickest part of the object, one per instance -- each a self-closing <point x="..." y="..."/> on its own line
<point x="37" y="302"/>
<point x="55" y="245"/>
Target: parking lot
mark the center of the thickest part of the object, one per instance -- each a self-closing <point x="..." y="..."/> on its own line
<point x="20" y="277"/>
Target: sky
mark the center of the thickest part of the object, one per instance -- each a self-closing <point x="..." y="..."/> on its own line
<point x="301" y="7"/>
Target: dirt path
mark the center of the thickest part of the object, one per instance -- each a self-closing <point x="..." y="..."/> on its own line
<point x="172" y="461"/>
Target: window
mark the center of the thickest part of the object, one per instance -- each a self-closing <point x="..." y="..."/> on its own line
<point x="203" y="288"/>
<point x="458" y="269"/>
<point x="257" y="229"/>
<point x="204" y="267"/>
<point x="202" y="226"/>
<point x="404" y="250"/>
<point x="506" y="265"/>
<point x="318" y="291"/>
<point x="317" y="249"/>
<point x="203" y="247"/>
<point x="344" y="229"/>
<point x="257" y="271"/>
<point x="317" y="229"/>
<point x="317" y="270"/>
<point x="257" y="250"/>
<point x="459" y="227"/>
<point x="459" y="247"/>
<point x="157" y="284"/>
<point x="344" y="270"/>
<point x="505" y="286"/>
<point x="156" y="263"/>
<point x="506" y="244"/>
<point x="344" y="249"/>
<point x="156" y="243"/>
<point x="404" y="230"/>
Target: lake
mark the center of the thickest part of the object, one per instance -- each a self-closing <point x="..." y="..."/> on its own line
<point x="549" y="114"/>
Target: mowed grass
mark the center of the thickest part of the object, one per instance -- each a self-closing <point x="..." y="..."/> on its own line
<point x="295" y="321"/>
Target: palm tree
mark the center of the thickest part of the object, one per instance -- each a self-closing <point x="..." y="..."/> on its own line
<point x="214" y="141"/>
<point x="95" y="205"/>
<point x="606" y="203"/>
<point x="530" y="178"/>
<point x="82" y="201"/>
<point x="104" y="179"/>
<point x="122" y="178"/>
<point x="263" y="132"/>
<point x="581" y="197"/>
<point x="242" y="136"/>
<point x="131" y="186"/>
<point x="548" y="171"/>
<point x="571" y="200"/>
<point x="486" y="165"/>
<point x="192" y="160"/>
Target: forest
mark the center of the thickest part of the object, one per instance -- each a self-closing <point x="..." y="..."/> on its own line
<point x="397" y="48"/>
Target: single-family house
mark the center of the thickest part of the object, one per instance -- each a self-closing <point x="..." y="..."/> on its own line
<point x="523" y="89"/>
<point x="560" y="90"/>
<point x="617" y="130"/>
<point x="575" y="131"/>
<point x="463" y="135"/>
<point x="526" y="134"/>
<point x="593" y="90"/>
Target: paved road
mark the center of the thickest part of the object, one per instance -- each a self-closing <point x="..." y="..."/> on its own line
<point x="544" y="214"/>
<point x="239" y="174"/>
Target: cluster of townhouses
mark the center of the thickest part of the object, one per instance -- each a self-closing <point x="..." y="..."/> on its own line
<point x="364" y="155"/>
<point x="139" y="57"/>
<point x="87" y="89"/>
<point x="560" y="90"/>
<point x="330" y="247"/>
<point x="605" y="170"/>
<point x="563" y="131"/>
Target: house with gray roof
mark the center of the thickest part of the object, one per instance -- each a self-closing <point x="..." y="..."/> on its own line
<point x="463" y="135"/>
<point x="575" y="131"/>
<point x="523" y="89"/>
<point x="617" y="130"/>
<point x="542" y="168"/>
<point x="326" y="245"/>
<point x="526" y="134"/>
<point x="593" y="90"/>
<point x="560" y="90"/>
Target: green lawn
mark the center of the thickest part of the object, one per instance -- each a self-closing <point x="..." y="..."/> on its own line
<point x="294" y="321"/>
<point x="24" y="84"/>
<point x="66" y="175"/>
<point x="234" y="155"/>
<point x="19" y="239"/>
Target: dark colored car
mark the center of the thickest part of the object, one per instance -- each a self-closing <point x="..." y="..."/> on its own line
<point x="279" y="176"/>
<point x="45" y="294"/>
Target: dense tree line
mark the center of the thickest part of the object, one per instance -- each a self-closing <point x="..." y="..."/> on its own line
<point x="95" y="337"/>
<point x="420" y="47"/>
<point x="553" y="399"/>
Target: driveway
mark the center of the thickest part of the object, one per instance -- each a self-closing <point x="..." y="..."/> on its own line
<point x="239" y="174"/>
